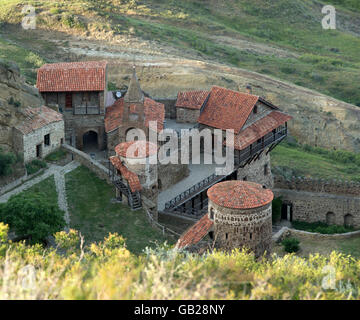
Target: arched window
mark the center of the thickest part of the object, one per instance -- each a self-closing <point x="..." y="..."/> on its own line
<point x="348" y="220"/>
<point x="211" y="214"/>
<point x="330" y="218"/>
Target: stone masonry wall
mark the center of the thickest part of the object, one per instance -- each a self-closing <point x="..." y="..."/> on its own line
<point x="185" y="115"/>
<point x="324" y="207"/>
<point x="235" y="228"/>
<point x="258" y="171"/>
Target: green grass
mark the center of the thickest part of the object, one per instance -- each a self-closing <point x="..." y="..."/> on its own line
<point x="291" y="161"/>
<point x="324" y="60"/>
<point x="45" y="187"/>
<point x="93" y="214"/>
<point x="56" y="156"/>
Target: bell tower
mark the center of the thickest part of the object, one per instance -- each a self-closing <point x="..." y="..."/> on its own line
<point x="134" y="113"/>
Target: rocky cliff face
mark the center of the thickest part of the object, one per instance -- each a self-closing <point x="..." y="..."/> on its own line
<point x="15" y="95"/>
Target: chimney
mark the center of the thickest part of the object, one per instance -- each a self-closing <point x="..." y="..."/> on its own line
<point x="248" y="89"/>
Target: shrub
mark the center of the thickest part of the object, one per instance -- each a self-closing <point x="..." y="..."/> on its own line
<point x="34" y="166"/>
<point x="6" y="162"/>
<point x="320" y="227"/>
<point x="291" y="245"/>
<point x="32" y="216"/>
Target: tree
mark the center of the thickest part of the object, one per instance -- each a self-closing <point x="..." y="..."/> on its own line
<point x="6" y="162"/>
<point x="32" y="216"/>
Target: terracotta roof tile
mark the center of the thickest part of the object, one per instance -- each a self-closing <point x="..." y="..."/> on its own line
<point x="240" y="194"/>
<point x="131" y="177"/>
<point x="227" y="109"/>
<point x="195" y="233"/>
<point x="136" y="149"/>
<point x="37" y="118"/>
<point x="72" y="76"/>
<point x="154" y="111"/>
<point x="191" y="99"/>
<point x="259" y="129"/>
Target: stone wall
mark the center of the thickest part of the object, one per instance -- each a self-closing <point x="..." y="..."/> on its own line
<point x="236" y="228"/>
<point x="318" y="185"/>
<point x="170" y="174"/>
<point x="258" y="171"/>
<point x="101" y="171"/>
<point x="324" y="207"/>
<point x="170" y="109"/>
<point x="185" y="115"/>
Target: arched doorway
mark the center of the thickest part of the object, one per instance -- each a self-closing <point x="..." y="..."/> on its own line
<point x="90" y="141"/>
<point x="330" y="218"/>
<point x="348" y="220"/>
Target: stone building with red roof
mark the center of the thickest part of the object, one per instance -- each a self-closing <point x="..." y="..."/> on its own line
<point x="41" y="133"/>
<point x="78" y="90"/>
<point x="131" y="113"/>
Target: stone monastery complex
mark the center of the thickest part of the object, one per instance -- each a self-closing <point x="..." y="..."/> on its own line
<point x="230" y="210"/>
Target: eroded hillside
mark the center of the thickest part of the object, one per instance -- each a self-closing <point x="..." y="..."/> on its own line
<point x="197" y="44"/>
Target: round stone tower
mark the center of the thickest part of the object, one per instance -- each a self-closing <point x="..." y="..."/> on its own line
<point x="241" y="212"/>
<point x="140" y="157"/>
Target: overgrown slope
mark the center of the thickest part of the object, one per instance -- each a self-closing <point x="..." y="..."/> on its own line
<point x="109" y="271"/>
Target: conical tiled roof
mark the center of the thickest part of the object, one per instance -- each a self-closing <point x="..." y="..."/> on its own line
<point x="134" y="93"/>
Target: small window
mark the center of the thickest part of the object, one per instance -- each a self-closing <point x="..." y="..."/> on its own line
<point x="259" y="141"/>
<point x="211" y="214"/>
<point x="255" y="109"/>
<point x="250" y="235"/>
<point x="245" y="179"/>
<point x="47" y="140"/>
<point x="61" y="141"/>
<point x="226" y="236"/>
<point x="266" y="169"/>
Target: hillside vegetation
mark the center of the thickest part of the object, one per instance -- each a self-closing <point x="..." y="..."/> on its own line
<point x="107" y="270"/>
<point x="280" y="38"/>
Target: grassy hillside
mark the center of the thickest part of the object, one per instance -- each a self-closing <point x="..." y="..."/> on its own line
<point x="295" y="160"/>
<point x="281" y="38"/>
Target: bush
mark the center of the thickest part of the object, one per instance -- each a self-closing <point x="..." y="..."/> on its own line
<point x="291" y="245"/>
<point x="6" y="162"/>
<point x="320" y="227"/>
<point x="32" y="216"/>
<point x="34" y="166"/>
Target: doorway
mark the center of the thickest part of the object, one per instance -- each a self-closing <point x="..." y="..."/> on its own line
<point x="287" y="212"/>
<point x="90" y="141"/>
<point x="38" y="151"/>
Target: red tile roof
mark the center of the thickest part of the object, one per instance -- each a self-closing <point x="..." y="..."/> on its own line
<point x="136" y="149"/>
<point x="72" y="76"/>
<point x="237" y="194"/>
<point x="227" y="109"/>
<point x="195" y="233"/>
<point x="191" y="99"/>
<point x="131" y="177"/>
<point x="154" y="111"/>
<point x="259" y="129"/>
<point x="37" y="118"/>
